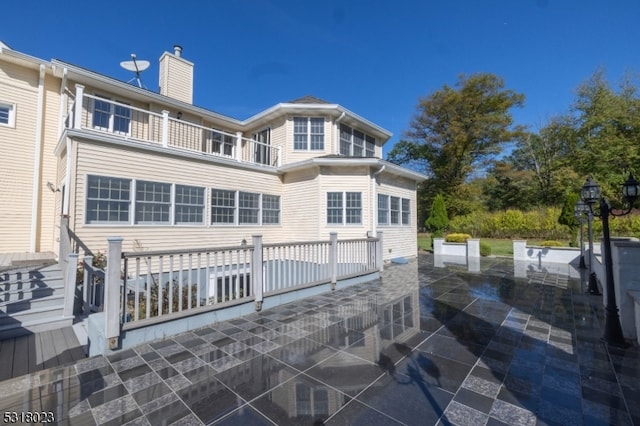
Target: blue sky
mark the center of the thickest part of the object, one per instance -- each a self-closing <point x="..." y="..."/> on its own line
<point x="376" y="58"/>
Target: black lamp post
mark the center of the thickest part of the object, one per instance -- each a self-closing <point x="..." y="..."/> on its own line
<point x="590" y="194"/>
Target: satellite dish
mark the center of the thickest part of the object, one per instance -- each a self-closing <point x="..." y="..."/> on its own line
<point x="135" y="66"/>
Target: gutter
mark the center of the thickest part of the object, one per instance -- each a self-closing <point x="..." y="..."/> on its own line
<point x="37" y="164"/>
<point x="374" y="201"/>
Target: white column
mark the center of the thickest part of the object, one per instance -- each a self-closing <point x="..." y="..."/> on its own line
<point x="165" y="128"/>
<point x="112" y="290"/>
<point x="77" y="113"/>
<point x="70" y="284"/>
<point x="333" y="258"/>
<point x="238" y="146"/>
<point x="257" y="271"/>
<point x="519" y="249"/>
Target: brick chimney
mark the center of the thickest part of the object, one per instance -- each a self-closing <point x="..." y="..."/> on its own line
<point x="176" y="76"/>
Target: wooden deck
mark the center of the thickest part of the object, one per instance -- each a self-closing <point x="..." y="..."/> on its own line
<point x="35" y="352"/>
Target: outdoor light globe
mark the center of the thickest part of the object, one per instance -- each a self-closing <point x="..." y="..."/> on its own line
<point x="590" y="192"/>
<point x="630" y="189"/>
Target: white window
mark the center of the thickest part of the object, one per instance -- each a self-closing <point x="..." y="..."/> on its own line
<point x="222" y="143"/>
<point x="355" y="143"/>
<point x="7" y="114"/>
<point x="405" y="211"/>
<point x="223" y="206"/>
<point x="262" y="151"/>
<point x="308" y="133"/>
<point x="153" y="202"/>
<point x="249" y="208"/>
<point x="108" y="199"/>
<point x="344" y="208"/>
<point x="383" y="209"/>
<point x="393" y="210"/>
<point x="270" y="209"/>
<point x="111" y="116"/>
<point x="189" y="205"/>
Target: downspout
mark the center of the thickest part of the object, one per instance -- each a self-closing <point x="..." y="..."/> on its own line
<point x="37" y="164"/>
<point x="63" y="110"/>
<point x="67" y="189"/>
<point x="374" y="203"/>
<point x="336" y="134"/>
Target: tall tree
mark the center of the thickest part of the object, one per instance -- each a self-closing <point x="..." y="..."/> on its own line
<point x="456" y="130"/>
<point x="608" y="131"/>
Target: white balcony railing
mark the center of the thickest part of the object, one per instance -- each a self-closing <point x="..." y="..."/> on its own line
<point x="135" y="124"/>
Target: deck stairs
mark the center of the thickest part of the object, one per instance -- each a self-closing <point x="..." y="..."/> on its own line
<point x="31" y="299"/>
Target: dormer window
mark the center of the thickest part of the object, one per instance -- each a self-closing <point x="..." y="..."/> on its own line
<point x="355" y="143"/>
<point x="308" y="133"/>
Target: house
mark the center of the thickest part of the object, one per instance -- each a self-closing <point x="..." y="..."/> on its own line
<point x="111" y="158"/>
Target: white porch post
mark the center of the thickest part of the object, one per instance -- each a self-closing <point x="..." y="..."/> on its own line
<point x="279" y="158"/>
<point x="87" y="292"/>
<point x="256" y="271"/>
<point x="380" y="251"/>
<point x="112" y="292"/>
<point x="333" y="259"/>
<point x="238" y="146"/>
<point x="70" y="284"/>
<point x="165" y="128"/>
<point x="77" y="114"/>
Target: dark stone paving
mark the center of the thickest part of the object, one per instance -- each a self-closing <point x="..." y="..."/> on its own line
<point x="422" y="345"/>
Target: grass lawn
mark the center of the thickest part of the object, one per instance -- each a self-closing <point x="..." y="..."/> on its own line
<point x="499" y="246"/>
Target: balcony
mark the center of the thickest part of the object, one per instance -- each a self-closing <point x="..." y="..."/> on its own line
<point x="106" y="116"/>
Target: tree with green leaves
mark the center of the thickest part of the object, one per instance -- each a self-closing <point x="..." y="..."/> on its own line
<point x="438" y="220"/>
<point x="568" y="218"/>
<point x="456" y="130"/>
<point x="607" y="130"/>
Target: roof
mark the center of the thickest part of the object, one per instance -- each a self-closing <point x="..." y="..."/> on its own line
<point x="308" y="99"/>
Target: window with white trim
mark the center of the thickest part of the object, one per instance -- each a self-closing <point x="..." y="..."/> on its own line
<point x="7" y="114"/>
<point x="248" y="208"/>
<point x="308" y="133"/>
<point x="270" y="209"/>
<point x="153" y="202"/>
<point x="344" y="208"/>
<point x="111" y="116"/>
<point x="189" y="205"/>
<point x="393" y="210"/>
<point x="355" y="143"/>
<point x="405" y="211"/>
<point x="223" y="206"/>
<point x="108" y="200"/>
<point x="383" y="209"/>
<point x="222" y="143"/>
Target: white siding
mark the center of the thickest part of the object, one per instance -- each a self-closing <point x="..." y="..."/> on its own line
<point x="300" y="206"/>
<point x="106" y="160"/>
<point x="399" y="240"/>
<point x="344" y="179"/>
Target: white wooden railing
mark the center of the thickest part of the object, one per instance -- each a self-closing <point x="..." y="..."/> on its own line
<point x="137" y="124"/>
<point x="144" y="288"/>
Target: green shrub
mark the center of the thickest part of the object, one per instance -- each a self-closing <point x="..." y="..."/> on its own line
<point x="551" y="243"/>
<point x="485" y="249"/>
<point x="438" y="220"/>
<point x="457" y="238"/>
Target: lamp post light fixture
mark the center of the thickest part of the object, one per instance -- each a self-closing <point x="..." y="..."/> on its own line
<point x="590" y="194"/>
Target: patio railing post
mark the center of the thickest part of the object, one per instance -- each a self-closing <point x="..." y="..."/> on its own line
<point x="87" y="292"/>
<point x="113" y="290"/>
<point x="256" y="271"/>
<point x="70" y="284"/>
<point x="165" y="128"/>
<point x="380" y="251"/>
<point x="77" y="115"/>
<point x="333" y="258"/>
